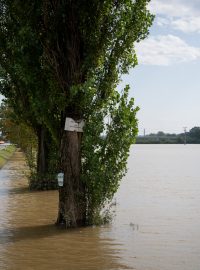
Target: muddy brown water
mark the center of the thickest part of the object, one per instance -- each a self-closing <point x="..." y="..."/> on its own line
<point x="156" y="227"/>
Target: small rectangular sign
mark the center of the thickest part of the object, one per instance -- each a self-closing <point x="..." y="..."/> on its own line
<point x="72" y="125"/>
<point x="60" y="178"/>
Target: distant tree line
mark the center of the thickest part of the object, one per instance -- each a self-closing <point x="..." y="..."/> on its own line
<point x="191" y="137"/>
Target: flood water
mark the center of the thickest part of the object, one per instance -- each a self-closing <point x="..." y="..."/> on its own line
<point x="156" y="227"/>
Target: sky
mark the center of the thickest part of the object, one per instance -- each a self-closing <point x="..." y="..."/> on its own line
<point x="166" y="83"/>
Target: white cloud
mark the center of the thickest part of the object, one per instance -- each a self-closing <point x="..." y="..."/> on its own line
<point x="175" y="8"/>
<point x="165" y="51"/>
<point x="180" y="15"/>
<point x="163" y="21"/>
<point x="169" y="8"/>
<point x="187" y="24"/>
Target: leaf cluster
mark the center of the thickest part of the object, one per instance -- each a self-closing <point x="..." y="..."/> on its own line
<point x="107" y="138"/>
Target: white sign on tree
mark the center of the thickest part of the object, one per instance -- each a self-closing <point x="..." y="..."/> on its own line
<point x="72" y="125"/>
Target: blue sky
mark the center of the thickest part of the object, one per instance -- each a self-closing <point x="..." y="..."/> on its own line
<point x="166" y="83"/>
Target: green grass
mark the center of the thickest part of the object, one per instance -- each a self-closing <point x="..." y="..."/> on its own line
<point x="5" y="154"/>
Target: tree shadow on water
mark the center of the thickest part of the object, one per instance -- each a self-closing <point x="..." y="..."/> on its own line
<point x="13" y="191"/>
<point x="11" y="235"/>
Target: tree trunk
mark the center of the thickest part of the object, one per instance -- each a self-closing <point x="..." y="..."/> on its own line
<point x="65" y="54"/>
<point x="42" y="155"/>
<point x="47" y="162"/>
<point x="72" y="206"/>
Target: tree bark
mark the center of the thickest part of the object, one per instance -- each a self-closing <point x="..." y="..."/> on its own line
<point x="65" y="55"/>
<point x="42" y="155"/>
<point x="72" y="206"/>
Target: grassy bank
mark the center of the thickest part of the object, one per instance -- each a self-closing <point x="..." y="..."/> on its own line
<point x="6" y="153"/>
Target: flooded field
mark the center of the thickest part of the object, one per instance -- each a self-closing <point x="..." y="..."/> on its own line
<point x="156" y="227"/>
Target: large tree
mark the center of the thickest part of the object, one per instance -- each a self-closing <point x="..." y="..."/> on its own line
<point x="86" y="47"/>
<point x="25" y="82"/>
<point x="89" y="45"/>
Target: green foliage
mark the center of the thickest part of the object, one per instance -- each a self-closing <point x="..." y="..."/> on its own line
<point x="25" y="137"/>
<point x="193" y="136"/>
<point x="107" y="138"/>
<point x="6" y="154"/>
<point x="25" y="79"/>
<point x="109" y="30"/>
<point x="45" y="181"/>
<point x="102" y="42"/>
<point x="18" y="133"/>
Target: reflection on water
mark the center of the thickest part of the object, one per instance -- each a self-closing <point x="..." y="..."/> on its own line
<point x="156" y="225"/>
